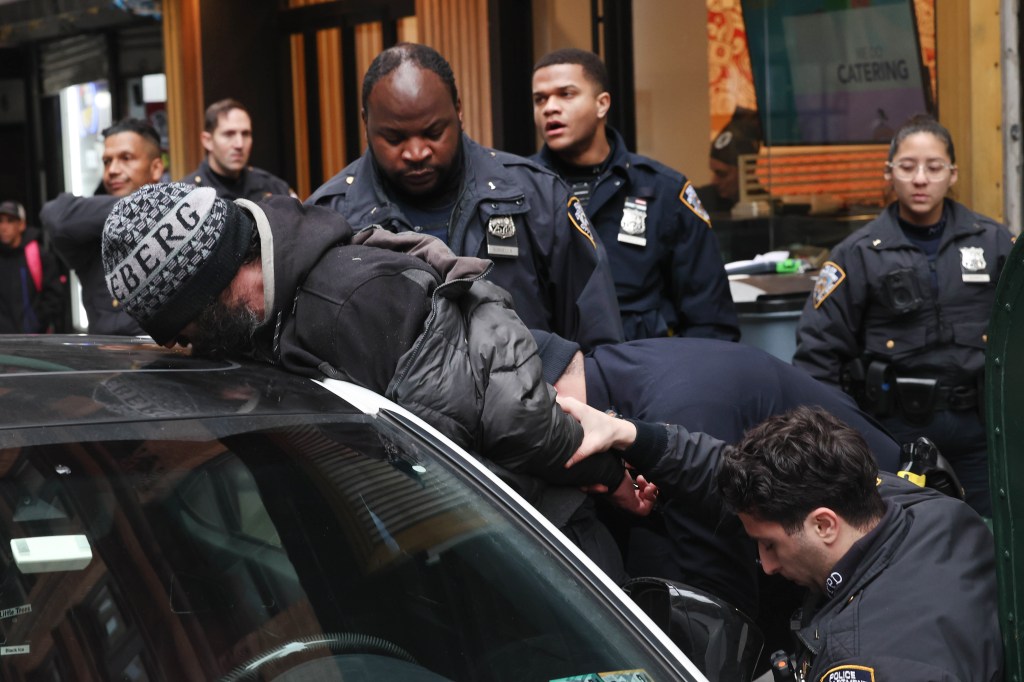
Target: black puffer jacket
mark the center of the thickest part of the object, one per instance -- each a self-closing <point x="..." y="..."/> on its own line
<point x="401" y="314"/>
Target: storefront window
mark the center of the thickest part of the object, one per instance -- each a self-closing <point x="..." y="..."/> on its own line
<point x="804" y="98"/>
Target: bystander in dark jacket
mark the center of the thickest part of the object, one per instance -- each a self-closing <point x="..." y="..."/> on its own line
<point x="32" y="287"/>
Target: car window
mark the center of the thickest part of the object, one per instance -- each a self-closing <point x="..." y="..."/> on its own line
<point x="344" y="550"/>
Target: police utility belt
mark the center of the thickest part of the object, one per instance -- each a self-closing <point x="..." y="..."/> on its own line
<point x="881" y="393"/>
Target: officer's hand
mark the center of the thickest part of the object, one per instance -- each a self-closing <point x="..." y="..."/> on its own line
<point x="635" y="497"/>
<point x="601" y="431"/>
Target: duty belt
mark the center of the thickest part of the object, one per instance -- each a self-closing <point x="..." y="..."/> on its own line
<point x="956" y="398"/>
<point x="925" y="396"/>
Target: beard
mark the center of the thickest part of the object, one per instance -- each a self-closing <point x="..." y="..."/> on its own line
<point x="224" y="330"/>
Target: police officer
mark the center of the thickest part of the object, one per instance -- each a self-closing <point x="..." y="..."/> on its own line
<point x="901" y="580"/>
<point x="703" y="385"/>
<point x="899" y="315"/>
<point x="227" y="139"/>
<point x="665" y="259"/>
<point x="421" y="172"/>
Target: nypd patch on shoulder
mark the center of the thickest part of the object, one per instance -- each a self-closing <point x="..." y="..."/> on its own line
<point x="849" y="673"/>
<point x="578" y="217"/>
<point x="689" y="197"/>
<point x="829" y="279"/>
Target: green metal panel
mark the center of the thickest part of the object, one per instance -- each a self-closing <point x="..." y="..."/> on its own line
<point x="1004" y="395"/>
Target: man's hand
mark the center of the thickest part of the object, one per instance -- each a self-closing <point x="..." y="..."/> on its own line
<point x="601" y="431"/>
<point x="635" y="497"/>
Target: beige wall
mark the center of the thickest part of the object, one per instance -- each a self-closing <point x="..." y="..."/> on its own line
<point x="670" y="47"/>
<point x="673" y="115"/>
<point x="560" y="23"/>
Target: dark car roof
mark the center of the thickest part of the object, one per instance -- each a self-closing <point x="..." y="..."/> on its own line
<point x="55" y="380"/>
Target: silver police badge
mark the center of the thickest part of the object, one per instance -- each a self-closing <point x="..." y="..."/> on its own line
<point x="972" y="264"/>
<point x="633" y="226"/>
<point x="502" y="226"/>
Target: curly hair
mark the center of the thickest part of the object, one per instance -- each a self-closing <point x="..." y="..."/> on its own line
<point x="793" y="463"/>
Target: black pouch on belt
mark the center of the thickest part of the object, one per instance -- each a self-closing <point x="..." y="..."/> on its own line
<point x="916" y="398"/>
<point x="878" y="389"/>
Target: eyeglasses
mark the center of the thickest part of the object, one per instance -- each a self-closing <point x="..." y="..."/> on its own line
<point x="934" y="170"/>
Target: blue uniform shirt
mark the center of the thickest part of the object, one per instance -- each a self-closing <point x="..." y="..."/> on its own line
<point x="665" y="260"/>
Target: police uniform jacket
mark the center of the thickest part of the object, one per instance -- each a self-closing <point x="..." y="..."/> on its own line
<point x="665" y="259"/>
<point x="252" y="183"/>
<point x="402" y="315"/>
<point x="919" y="605"/>
<point x="705" y="385"/>
<point x="874" y="298"/>
<point x="75" y="225"/>
<point x="559" y="280"/>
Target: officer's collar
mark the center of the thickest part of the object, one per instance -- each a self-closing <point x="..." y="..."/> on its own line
<point x="226" y="180"/>
<point x="567" y="169"/>
<point x="845" y="568"/>
<point x="925" y="231"/>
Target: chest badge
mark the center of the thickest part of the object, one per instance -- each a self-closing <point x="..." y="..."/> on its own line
<point x="502" y="226"/>
<point x="633" y="226"/>
<point x="972" y="264"/>
<point x="501" y="237"/>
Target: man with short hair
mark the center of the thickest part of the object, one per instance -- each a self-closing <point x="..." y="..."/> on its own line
<point x="227" y="139"/>
<point x="31" y="285"/>
<point x="131" y="159"/>
<point x="421" y="173"/>
<point x="901" y="579"/>
<point x="665" y="260"/>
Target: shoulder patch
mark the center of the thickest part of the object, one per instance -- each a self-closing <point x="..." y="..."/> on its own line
<point x="578" y="217"/>
<point x="690" y="199"/>
<point x="829" y="279"/>
<point x="849" y="673"/>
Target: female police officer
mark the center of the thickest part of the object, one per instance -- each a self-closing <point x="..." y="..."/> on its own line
<point x="898" y="316"/>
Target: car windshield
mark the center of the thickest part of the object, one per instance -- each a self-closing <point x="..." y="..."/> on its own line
<point x="341" y="550"/>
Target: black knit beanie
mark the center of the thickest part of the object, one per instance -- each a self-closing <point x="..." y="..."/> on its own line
<point x="169" y="250"/>
<point x="742" y="135"/>
<point x="555" y="353"/>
